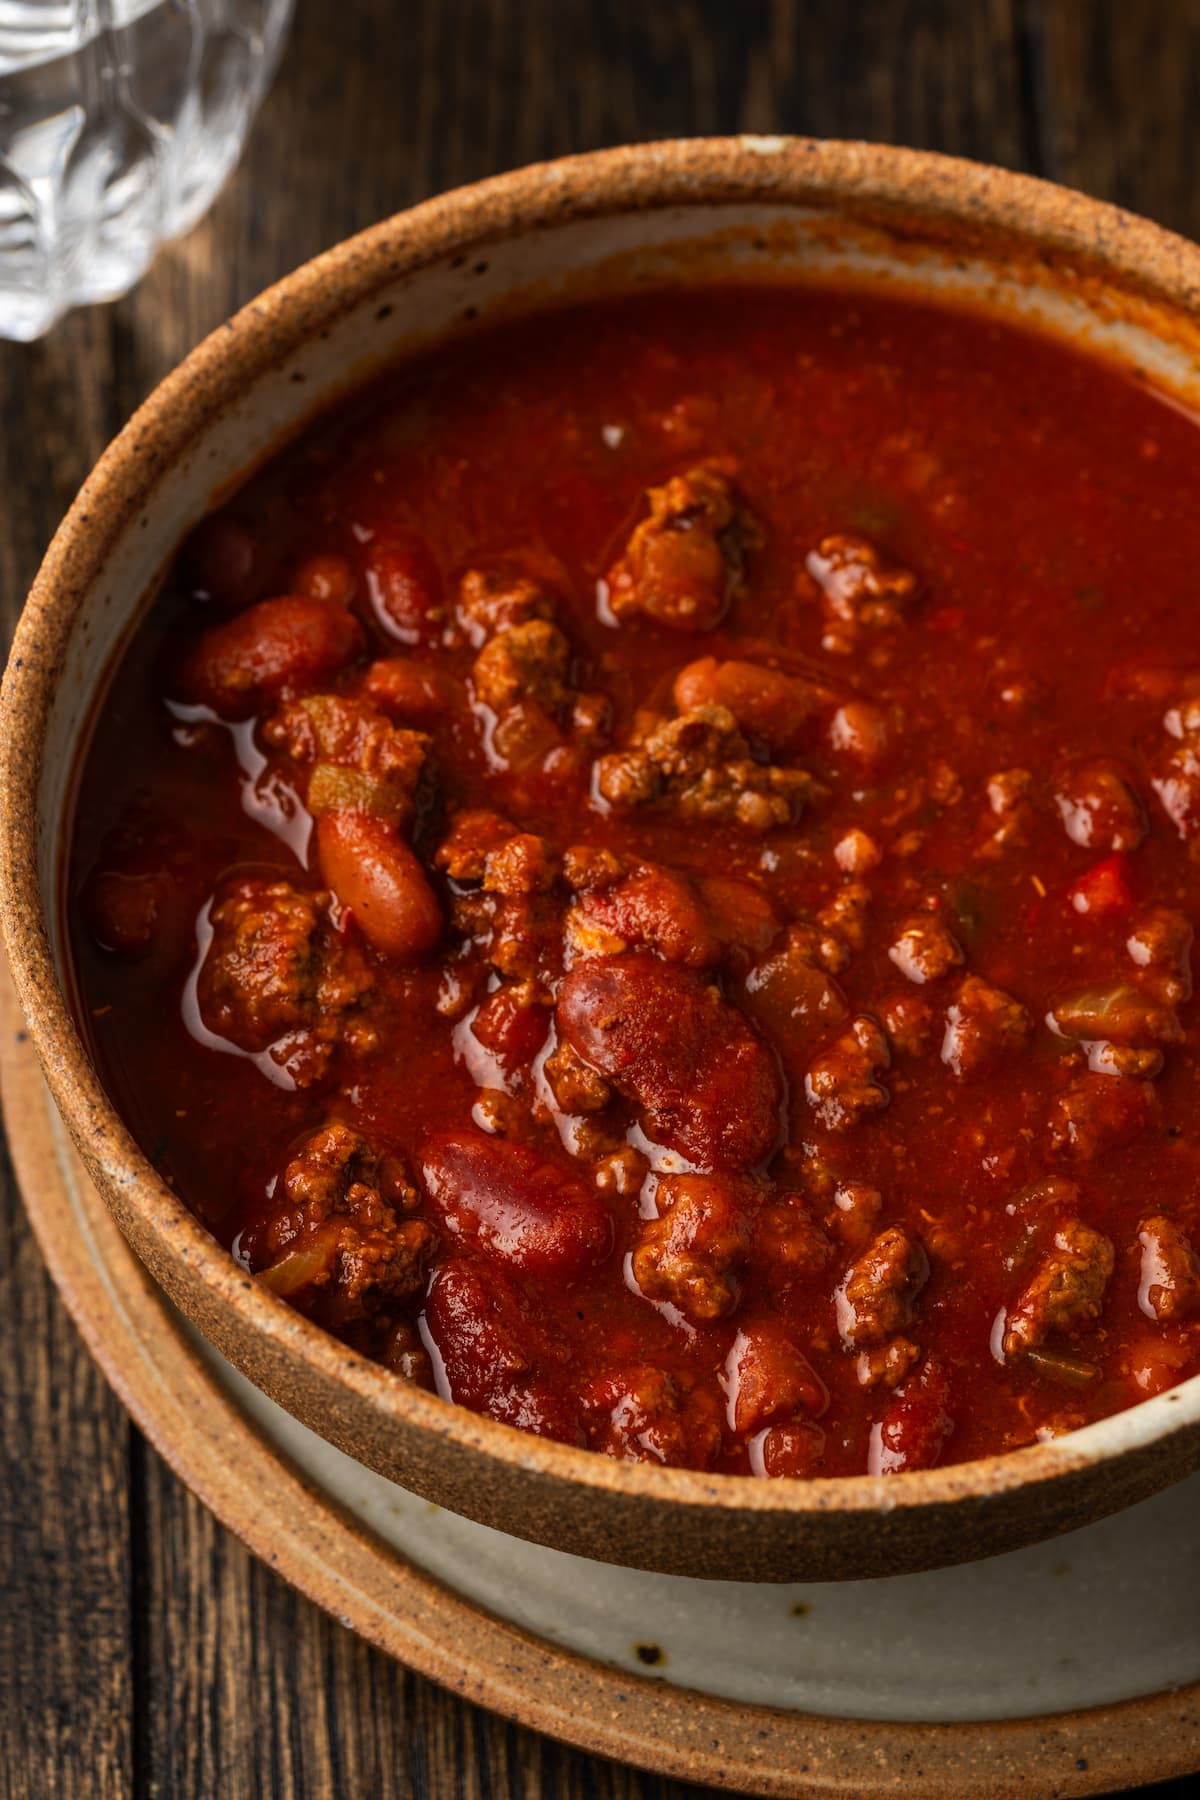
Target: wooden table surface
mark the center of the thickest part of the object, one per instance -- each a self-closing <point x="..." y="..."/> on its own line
<point x="142" y="1652"/>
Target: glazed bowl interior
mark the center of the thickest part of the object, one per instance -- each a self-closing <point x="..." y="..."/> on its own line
<point x="755" y="210"/>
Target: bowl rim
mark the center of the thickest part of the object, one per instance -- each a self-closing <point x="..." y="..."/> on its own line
<point x="963" y="198"/>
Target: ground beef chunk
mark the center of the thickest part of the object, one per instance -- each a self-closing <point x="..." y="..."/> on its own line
<point x="339" y="1244"/>
<point x="525" y="942"/>
<point x="1099" y="807"/>
<point x="845" y="917"/>
<point x="682" y="566"/>
<point x="855" y="853"/>
<point x="576" y="1086"/>
<point x="983" y="1023"/>
<point x="1098" y="1113"/>
<point x="1118" y="1014"/>
<point x="786" y="1245"/>
<point x="908" y="1021"/>
<point x="588" y="866"/>
<point x="886" y="1365"/>
<point x="644" y="1414"/>
<point x="926" y="949"/>
<point x="1011" y="810"/>
<point x="1160" y="944"/>
<point x="473" y="835"/>
<point x="858" y="589"/>
<point x="492" y="601"/>
<point x="875" y="1296"/>
<point x="357" y="759"/>
<point x="1065" y="1291"/>
<point x="531" y="711"/>
<point x="692" y="1253"/>
<point x="525" y="663"/>
<point x="843" y="1082"/>
<point x="507" y="901"/>
<point x="666" y="1039"/>
<point x="855" y="1211"/>
<point x="699" y="766"/>
<point x="277" y="977"/>
<point x="1169" y="1288"/>
<point x="1177" y="780"/>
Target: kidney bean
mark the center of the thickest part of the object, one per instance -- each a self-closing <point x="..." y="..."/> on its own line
<point x="741" y="915"/>
<point x="511" y="1026"/>
<point x="404" y="585"/>
<point x="491" y="1353"/>
<point x="655" y="908"/>
<point x="708" y="1087"/>
<point x="415" y="692"/>
<point x="376" y="877"/>
<point x="221" y="561"/>
<point x="533" y="1215"/>
<point x="125" y="912"/>
<point x="766" y="1378"/>
<point x="915" y="1425"/>
<point x="325" y="576"/>
<point x="795" y="1450"/>
<point x="1099" y="807"/>
<point x="278" y="647"/>
<point x="766" y="703"/>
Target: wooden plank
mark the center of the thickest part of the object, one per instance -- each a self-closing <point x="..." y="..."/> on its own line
<point x="66" y="1680"/>
<point x="242" y="1688"/>
<point x="1121" y="91"/>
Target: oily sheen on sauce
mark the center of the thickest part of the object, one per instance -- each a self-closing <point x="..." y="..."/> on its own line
<point x="643" y="873"/>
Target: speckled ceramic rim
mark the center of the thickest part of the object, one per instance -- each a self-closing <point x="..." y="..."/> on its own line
<point x="1105" y="1466"/>
<point x="192" y="1422"/>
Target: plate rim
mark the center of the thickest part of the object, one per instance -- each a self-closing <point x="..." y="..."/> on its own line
<point x="287" y="1521"/>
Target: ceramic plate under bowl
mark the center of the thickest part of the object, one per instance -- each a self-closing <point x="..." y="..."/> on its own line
<point x="1070" y="1668"/>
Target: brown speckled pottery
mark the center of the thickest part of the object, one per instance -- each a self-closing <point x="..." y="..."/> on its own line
<point x="761" y="209"/>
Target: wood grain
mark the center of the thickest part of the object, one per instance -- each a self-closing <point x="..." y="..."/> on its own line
<point x="141" y="1650"/>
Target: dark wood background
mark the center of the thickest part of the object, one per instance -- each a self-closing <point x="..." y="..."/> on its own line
<point x="142" y="1652"/>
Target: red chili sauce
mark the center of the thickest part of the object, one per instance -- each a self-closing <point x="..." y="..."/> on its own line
<point x="643" y="873"/>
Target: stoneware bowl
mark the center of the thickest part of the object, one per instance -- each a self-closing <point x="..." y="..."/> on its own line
<point x="759" y="209"/>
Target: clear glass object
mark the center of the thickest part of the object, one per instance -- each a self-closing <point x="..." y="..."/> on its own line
<point x="119" y="122"/>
